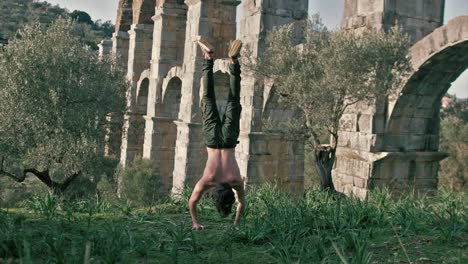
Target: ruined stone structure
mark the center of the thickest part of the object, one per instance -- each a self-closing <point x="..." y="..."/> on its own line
<point x="394" y="141"/>
<point x="156" y="41"/>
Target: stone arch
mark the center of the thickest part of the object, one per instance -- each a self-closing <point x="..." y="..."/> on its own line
<point x="136" y="130"/>
<point x="171" y="74"/>
<point x="124" y="16"/>
<point x="438" y="59"/>
<point x="145" y="76"/>
<point x="143" y="11"/>
<point x="171" y="98"/>
<point x="142" y="97"/>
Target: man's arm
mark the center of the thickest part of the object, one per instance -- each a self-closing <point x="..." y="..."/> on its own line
<point x="240" y="196"/>
<point x="196" y="196"/>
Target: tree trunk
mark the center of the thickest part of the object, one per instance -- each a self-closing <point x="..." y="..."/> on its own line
<point x="324" y="160"/>
<point x="55" y="188"/>
<point x="324" y="156"/>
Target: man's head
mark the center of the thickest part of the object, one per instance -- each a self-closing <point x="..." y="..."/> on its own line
<point x="224" y="198"/>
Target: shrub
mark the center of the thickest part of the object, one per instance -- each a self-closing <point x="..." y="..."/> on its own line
<point x="454" y="141"/>
<point x="140" y="183"/>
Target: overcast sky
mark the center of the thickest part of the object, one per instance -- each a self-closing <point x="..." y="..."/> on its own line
<point x="330" y="11"/>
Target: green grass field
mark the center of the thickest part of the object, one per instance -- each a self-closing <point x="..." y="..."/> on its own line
<point x="277" y="228"/>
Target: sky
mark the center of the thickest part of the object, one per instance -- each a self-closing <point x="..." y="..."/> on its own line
<point x="330" y="11"/>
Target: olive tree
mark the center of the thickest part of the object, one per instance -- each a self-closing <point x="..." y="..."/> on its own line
<point x="324" y="73"/>
<point x="55" y="94"/>
<point x="454" y="141"/>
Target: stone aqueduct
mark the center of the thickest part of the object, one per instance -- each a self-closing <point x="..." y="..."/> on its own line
<point x="392" y="142"/>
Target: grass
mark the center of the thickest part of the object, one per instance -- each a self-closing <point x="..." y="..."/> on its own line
<point x="277" y="228"/>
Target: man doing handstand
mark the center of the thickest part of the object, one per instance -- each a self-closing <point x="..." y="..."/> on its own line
<point x="221" y="170"/>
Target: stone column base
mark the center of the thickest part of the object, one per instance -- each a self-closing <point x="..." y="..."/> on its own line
<point x="190" y="156"/>
<point x="160" y="149"/>
<point x="274" y="158"/>
<point x="132" y="138"/>
<point x="358" y="172"/>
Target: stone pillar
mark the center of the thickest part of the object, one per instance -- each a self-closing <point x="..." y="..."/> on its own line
<point x="263" y="156"/>
<point x="120" y="39"/>
<point x="120" y="45"/>
<point x="120" y="50"/>
<point x="417" y="18"/>
<point x="139" y="57"/>
<point x="364" y="159"/>
<point x="168" y="50"/>
<point x="105" y="47"/>
<point x="216" y="21"/>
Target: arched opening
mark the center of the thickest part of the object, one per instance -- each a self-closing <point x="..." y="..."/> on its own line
<point x="136" y="133"/>
<point x="142" y="97"/>
<point x="143" y="11"/>
<point x="413" y="128"/>
<point x="172" y="96"/>
<point x="458" y="87"/>
<point x="416" y="112"/>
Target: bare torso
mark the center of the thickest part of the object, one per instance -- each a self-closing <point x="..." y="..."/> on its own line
<point x="221" y="167"/>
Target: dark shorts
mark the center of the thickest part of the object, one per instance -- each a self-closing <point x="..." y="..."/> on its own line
<point x="221" y="133"/>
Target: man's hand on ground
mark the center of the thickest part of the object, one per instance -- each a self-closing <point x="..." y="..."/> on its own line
<point x="198" y="227"/>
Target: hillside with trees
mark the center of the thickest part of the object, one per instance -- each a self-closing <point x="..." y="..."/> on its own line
<point x="15" y="14"/>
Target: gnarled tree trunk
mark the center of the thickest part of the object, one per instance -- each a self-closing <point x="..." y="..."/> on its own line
<point x="55" y="188"/>
<point x="324" y="160"/>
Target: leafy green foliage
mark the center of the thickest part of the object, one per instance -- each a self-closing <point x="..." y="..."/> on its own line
<point x="141" y="183"/>
<point x="45" y="206"/>
<point x="15" y="14"/>
<point x="54" y="98"/>
<point x="454" y="141"/>
<point x="315" y="228"/>
<point x="455" y="108"/>
<point x="81" y="17"/>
